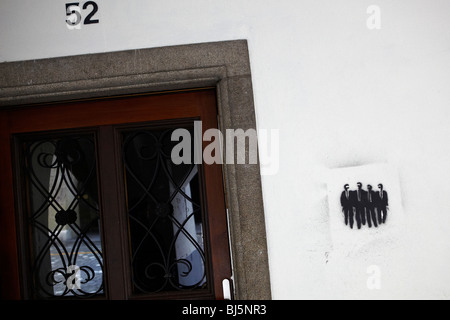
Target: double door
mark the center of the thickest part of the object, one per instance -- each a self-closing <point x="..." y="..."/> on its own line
<point x="95" y="202"/>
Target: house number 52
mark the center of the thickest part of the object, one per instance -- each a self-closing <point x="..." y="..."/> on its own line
<point x="74" y="17"/>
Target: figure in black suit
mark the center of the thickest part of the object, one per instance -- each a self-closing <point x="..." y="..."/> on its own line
<point x="347" y="207"/>
<point x="382" y="204"/>
<point x="358" y="202"/>
<point x="370" y="207"/>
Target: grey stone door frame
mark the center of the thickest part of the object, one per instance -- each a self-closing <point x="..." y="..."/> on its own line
<point x="225" y="65"/>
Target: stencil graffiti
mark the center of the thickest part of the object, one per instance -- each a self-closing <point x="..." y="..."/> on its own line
<point x="365" y="206"/>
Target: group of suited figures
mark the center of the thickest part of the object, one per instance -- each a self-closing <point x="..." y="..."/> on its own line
<point x="362" y="205"/>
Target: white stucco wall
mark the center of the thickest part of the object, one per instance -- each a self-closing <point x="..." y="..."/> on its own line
<point x="341" y="95"/>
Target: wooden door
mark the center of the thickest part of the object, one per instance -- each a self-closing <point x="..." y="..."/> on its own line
<point x="93" y="206"/>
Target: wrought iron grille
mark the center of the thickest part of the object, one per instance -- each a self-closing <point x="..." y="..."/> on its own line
<point x="63" y="216"/>
<point x="165" y="215"/>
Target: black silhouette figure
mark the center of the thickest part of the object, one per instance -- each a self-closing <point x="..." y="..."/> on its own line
<point x="347" y="207"/>
<point x="381" y="204"/>
<point x="358" y="202"/>
<point x="370" y="207"/>
<point x="361" y="205"/>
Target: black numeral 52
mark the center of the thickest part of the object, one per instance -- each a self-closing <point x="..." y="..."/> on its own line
<point x="74" y="17"/>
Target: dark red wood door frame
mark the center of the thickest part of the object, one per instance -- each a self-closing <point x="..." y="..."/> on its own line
<point x="104" y="114"/>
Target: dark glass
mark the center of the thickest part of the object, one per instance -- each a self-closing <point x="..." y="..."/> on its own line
<point x="165" y="214"/>
<point x="63" y="216"/>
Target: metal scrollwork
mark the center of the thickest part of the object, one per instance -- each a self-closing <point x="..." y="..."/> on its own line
<point x="61" y="175"/>
<point x="165" y="219"/>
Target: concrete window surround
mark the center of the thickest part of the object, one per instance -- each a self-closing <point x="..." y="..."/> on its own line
<point x="224" y="65"/>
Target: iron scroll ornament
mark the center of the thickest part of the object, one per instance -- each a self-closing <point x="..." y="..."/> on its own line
<point x="55" y="167"/>
<point x="167" y="244"/>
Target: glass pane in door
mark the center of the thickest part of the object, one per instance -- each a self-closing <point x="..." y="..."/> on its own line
<point x="165" y="213"/>
<point x="63" y="216"/>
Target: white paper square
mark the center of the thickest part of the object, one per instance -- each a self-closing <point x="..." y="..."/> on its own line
<point x="349" y="241"/>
